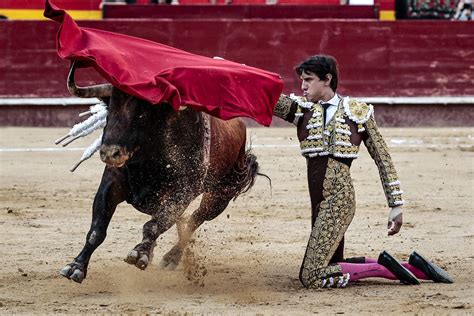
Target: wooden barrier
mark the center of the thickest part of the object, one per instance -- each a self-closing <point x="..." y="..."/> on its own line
<point x="377" y="59"/>
<point x="328" y="10"/>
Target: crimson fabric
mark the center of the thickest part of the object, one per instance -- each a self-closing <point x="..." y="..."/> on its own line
<point x="159" y="73"/>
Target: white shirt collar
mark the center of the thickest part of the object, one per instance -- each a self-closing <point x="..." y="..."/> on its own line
<point x="334" y="100"/>
<point x="331" y="110"/>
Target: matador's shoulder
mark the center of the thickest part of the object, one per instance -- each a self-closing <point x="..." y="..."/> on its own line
<point x="357" y="111"/>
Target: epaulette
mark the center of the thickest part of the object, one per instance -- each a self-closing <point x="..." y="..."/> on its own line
<point x="358" y="112"/>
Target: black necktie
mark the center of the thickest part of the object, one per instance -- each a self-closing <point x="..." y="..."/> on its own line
<point x="325" y="107"/>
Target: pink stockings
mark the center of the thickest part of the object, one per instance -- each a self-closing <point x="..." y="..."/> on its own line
<point x="359" y="271"/>
<point x="416" y="272"/>
<point x="371" y="268"/>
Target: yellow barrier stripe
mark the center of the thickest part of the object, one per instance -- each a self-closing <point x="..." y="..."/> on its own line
<point x="387" y="15"/>
<point x="32" y="14"/>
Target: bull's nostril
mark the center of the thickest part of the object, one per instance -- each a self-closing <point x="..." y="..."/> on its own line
<point x="116" y="154"/>
<point x="113" y="155"/>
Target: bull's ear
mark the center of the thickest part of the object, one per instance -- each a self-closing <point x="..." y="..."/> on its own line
<point x="97" y="91"/>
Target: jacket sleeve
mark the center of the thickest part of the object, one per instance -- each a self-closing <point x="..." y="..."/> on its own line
<point x="378" y="150"/>
<point x="287" y="109"/>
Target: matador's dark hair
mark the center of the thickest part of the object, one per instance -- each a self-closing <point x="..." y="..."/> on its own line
<point x="321" y="65"/>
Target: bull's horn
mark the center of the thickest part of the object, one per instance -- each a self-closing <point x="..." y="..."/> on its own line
<point x="97" y="91"/>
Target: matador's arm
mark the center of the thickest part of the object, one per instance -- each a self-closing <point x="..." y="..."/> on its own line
<point x="287" y="109"/>
<point x="363" y="115"/>
<point x="378" y="150"/>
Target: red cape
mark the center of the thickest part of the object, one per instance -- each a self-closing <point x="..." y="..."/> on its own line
<point x="158" y="73"/>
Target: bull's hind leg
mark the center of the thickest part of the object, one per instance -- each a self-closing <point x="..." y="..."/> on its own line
<point x="212" y="204"/>
<point x="142" y="254"/>
<point x="239" y="180"/>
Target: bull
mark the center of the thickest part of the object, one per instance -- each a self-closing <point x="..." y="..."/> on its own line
<point x="159" y="160"/>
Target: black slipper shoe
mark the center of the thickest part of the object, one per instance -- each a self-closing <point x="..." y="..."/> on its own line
<point x="355" y="260"/>
<point x="431" y="270"/>
<point x="397" y="269"/>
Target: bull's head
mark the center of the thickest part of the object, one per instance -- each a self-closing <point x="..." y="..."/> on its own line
<point x="131" y="121"/>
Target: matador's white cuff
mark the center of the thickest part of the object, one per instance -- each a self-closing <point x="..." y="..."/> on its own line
<point x="394" y="212"/>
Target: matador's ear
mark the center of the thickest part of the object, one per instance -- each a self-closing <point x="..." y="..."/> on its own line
<point x="328" y="79"/>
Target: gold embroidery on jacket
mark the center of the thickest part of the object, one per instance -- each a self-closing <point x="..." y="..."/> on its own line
<point x="335" y="214"/>
<point x="283" y="107"/>
<point x="378" y="150"/>
<point x="357" y="111"/>
<point x="333" y="140"/>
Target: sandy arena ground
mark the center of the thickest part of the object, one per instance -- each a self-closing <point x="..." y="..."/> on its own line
<point x="253" y="251"/>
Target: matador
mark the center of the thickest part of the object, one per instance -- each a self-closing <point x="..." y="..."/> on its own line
<point x="330" y="129"/>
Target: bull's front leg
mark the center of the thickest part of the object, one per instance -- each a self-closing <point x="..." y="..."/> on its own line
<point x="112" y="191"/>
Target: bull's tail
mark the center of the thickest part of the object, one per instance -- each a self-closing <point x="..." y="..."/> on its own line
<point x="247" y="175"/>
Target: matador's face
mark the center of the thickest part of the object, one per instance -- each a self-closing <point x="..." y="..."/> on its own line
<point x="315" y="89"/>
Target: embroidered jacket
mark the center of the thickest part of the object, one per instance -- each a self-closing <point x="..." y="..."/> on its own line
<point x="352" y="123"/>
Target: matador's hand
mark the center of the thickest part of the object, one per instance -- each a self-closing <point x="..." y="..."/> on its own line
<point x="395" y="220"/>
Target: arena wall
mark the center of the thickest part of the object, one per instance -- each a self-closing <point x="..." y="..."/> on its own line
<point x="377" y="59"/>
<point x="326" y="9"/>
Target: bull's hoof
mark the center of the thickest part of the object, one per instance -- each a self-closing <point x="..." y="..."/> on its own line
<point x="74" y="271"/>
<point x="132" y="257"/>
<point x="140" y="260"/>
<point x="142" y="263"/>
<point x="168" y="265"/>
<point x="171" y="259"/>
